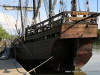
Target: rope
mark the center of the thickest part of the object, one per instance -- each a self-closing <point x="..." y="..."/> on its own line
<point x="79" y="5"/>
<point x="25" y="47"/>
<point x="6" y="20"/>
<point x="6" y="17"/>
<point x="97" y="5"/>
<point x="13" y="1"/>
<point x="84" y="5"/>
<point x="40" y="65"/>
<point x="94" y="15"/>
<point x="14" y="11"/>
<point x="66" y="5"/>
<point x="46" y="7"/>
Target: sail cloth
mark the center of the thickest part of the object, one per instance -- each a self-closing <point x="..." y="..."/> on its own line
<point x="17" y="8"/>
<point x="39" y="5"/>
<point x="53" y="5"/>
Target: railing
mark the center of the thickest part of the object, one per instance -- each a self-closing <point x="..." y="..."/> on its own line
<point x="45" y="25"/>
<point x="53" y="22"/>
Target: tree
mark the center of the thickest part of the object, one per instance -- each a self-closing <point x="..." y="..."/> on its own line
<point x="98" y="33"/>
<point x="3" y="33"/>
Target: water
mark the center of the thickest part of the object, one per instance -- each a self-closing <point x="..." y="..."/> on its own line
<point x="93" y="65"/>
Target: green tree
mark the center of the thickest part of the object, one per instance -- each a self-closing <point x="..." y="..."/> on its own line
<point x="99" y="33"/>
<point x="5" y="35"/>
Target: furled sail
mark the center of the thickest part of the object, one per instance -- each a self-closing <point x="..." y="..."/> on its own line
<point x="17" y="8"/>
<point x="54" y="3"/>
<point x="39" y="5"/>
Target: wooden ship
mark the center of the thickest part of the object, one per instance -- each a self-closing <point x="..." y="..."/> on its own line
<point x="68" y="39"/>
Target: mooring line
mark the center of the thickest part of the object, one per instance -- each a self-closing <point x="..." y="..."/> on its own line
<point x="40" y="65"/>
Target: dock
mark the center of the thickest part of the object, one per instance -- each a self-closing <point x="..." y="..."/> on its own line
<point x="11" y="67"/>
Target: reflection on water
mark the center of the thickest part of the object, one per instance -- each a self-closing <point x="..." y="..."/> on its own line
<point x="92" y="67"/>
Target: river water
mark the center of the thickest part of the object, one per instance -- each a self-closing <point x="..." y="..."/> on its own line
<point x="92" y="67"/>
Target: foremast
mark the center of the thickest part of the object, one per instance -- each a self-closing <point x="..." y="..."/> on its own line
<point x="21" y="17"/>
<point x="34" y="12"/>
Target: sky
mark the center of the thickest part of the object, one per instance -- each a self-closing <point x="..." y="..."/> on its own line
<point x="9" y="25"/>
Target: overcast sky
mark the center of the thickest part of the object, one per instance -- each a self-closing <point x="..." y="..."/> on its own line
<point x="9" y="25"/>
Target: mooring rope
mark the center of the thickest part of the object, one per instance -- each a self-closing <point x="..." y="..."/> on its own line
<point x="25" y="47"/>
<point x="40" y="65"/>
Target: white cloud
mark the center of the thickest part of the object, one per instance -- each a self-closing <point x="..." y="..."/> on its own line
<point x="8" y="22"/>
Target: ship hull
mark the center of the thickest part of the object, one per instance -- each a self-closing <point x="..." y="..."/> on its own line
<point x="69" y="54"/>
<point x="70" y="46"/>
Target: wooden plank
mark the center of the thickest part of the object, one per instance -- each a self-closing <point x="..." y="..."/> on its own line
<point x="79" y="18"/>
<point x="46" y="32"/>
<point x="80" y="13"/>
<point x="78" y="26"/>
<point x="78" y="30"/>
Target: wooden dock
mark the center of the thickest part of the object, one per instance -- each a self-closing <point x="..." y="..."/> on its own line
<point x="11" y="67"/>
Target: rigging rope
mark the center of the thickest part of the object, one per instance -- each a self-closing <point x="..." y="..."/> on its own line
<point x="40" y="65"/>
<point x="6" y="17"/>
<point x="25" y="47"/>
<point x="79" y="5"/>
<point x="62" y="5"/>
<point x="97" y="5"/>
<point x="84" y="5"/>
<point x="14" y="11"/>
<point x="46" y="5"/>
<point x="13" y="1"/>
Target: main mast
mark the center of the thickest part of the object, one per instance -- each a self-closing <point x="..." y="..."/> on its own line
<point x="50" y="4"/>
<point x="34" y="12"/>
<point x="21" y="17"/>
<point x="74" y="5"/>
<point x="50" y="12"/>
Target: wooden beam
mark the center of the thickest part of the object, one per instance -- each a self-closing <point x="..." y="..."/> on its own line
<point x="78" y="18"/>
<point x="80" y="13"/>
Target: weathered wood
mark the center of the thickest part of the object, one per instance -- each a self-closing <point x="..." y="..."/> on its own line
<point x="79" y="18"/>
<point x="46" y="32"/>
<point x="79" y="30"/>
<point x="80" y="13"/>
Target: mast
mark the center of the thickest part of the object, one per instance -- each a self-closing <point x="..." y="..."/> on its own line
<point x="34" y="13"/>
<point x="74" y="5"/>
<point x="50" y="12"/>
<point x="50" y="4"/>
<point x="21" y="17"/>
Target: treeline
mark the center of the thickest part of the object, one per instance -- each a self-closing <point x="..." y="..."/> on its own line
<point x="5" y="35"/>
<point x="98" y="34"/>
